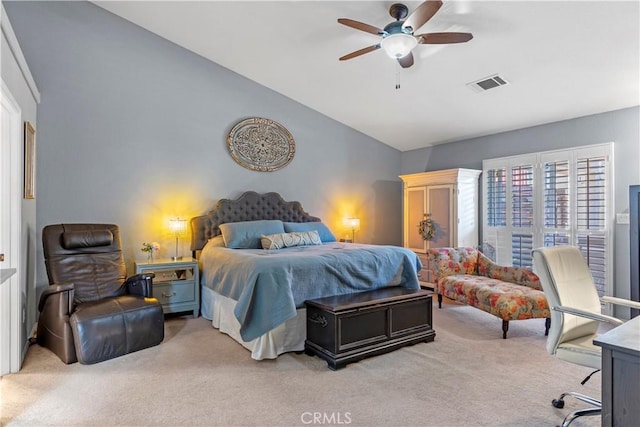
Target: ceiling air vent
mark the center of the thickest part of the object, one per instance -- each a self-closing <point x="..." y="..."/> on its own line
<point x="487" y="83"/>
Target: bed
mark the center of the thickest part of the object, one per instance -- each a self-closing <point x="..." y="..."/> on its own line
<point x="257" y="295"/>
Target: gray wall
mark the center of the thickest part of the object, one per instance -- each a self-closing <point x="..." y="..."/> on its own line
<point x="622" y="127"/>
<point x="13" y="77"/>
<point x="132" y="131"/>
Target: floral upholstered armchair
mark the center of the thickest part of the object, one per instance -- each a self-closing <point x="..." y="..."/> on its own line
<point x="509" y="293"/>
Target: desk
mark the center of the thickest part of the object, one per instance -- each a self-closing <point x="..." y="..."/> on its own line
<point x="621" y="374"/>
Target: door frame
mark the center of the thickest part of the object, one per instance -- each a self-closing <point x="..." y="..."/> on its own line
<point x="634" y="245"/>
<point x="11" y="218"/>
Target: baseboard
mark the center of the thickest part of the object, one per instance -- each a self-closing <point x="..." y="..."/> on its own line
<point x="28" y="343"/>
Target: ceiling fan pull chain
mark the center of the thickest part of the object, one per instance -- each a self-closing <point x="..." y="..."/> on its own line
<point x="397" y="75"/>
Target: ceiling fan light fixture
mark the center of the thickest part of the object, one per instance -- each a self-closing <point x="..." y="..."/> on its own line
<point x="398" y="45"/>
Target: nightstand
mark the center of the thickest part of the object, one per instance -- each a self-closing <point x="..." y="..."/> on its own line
<point x="176" y="285"/>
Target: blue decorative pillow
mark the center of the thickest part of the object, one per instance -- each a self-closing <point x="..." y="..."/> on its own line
<point x="325" y="234"/>
<point x="247" y="234"/>
<point x="287" y="240"/>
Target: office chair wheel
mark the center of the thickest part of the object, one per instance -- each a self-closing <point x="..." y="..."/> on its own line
<point x="558" y="403"/>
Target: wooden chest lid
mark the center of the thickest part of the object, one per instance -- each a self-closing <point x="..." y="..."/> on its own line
<point x="367" y="298"/>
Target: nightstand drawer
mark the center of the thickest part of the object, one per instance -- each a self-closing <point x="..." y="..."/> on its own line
<point x="175" y="292"/>
<point x="176" y="283"/>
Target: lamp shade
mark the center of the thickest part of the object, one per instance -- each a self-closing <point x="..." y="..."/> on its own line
<point x="398" y="45"/>
<point x="352" y="223"/>
<point x="178" y="226"/>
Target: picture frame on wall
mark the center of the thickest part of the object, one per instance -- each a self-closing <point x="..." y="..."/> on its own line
<point x="29" y="161"/>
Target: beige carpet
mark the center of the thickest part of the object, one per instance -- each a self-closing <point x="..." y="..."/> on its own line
<point x="469" y="376"/>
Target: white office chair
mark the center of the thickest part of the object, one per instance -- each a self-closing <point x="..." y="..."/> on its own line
<point x="575" y="315"/>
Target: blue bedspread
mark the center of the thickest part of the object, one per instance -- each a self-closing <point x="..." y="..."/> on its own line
<point x="269" y="285"/>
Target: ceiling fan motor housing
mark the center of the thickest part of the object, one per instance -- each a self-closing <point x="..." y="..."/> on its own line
<point x="397" y="28"/>
<point x="398" y="11"/>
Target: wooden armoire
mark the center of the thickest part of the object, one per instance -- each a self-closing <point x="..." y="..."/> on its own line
<point x="451" y="199"/>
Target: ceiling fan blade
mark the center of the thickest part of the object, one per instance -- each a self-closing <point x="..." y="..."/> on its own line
<point x="443" y="38"/>
<point x="360" y="26"/>
<point x="360" y="52"/>
<point x="422" y="14"/>
<point x="406" y="61"/>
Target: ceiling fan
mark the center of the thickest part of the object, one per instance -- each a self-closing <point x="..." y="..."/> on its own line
<point x="398" y="38"/>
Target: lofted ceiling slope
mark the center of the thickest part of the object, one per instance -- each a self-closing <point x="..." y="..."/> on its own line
<point x="561" y="60"/>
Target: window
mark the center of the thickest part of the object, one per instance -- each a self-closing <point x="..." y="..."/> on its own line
<point x="591" y="216"/>
<point x="522" y="196"/>
<point x="556" y="194"/>
<point x="521" y="247"/>
<point x="522" y="215"/>
<point x="496" y="197"/>
<point x="552" y="198"/>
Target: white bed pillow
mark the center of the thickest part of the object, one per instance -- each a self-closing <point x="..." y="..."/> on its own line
<point x="287" y="240"/>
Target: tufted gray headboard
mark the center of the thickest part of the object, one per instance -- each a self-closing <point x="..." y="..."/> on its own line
<point x="250" y="206"/>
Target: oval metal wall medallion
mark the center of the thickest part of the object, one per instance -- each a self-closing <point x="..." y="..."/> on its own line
<point x="261" y="144"/>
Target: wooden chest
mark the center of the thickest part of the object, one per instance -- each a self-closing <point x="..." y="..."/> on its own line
<point x="346" y="328"/>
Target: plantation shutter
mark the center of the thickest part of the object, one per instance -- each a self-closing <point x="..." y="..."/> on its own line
<point x="522" y="215"/>
<point x="591" y="219"/>
<point x="556" y="195"/>
<point x="557" y="200"/>
<point x="496" y="181"/>
<point x="561" y="197"/>
<point x="521" y="247"/>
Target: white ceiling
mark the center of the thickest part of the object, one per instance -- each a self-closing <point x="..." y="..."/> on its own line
<point x="561" y="59"/>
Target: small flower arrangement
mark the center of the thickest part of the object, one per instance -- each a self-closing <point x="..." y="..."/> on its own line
<point x="150" y="249"/>
<point x="427" y="228"/>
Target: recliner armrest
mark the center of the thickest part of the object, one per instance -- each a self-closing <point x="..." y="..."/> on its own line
<point x="140" y="285"/>
<point x="56" y="289"/>
<point x="589" y="315"/>
<point x="621" y="301"/>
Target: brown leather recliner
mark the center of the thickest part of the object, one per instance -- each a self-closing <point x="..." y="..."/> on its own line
<point x="91" y="311"/>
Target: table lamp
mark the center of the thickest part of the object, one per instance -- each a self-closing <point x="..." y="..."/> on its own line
<point x="353" y="223"/>
<point x="178" y="227"/>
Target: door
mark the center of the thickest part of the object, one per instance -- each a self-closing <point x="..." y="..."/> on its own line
<point x="10" y="198"/>
<point x="440" y="206"/>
